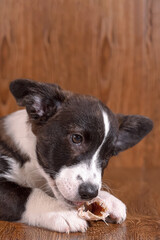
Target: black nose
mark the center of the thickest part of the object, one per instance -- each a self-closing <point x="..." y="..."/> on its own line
<point x="87" y="191"/>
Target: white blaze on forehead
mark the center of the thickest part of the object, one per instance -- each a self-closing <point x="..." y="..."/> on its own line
<point x="94" y="166"/>
<point x="106" y="130"/>
<point x="106" y="123"/>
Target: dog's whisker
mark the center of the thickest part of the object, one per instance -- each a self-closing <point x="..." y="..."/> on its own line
<point x="106" y="187"/>
<point x="44" y="187"/>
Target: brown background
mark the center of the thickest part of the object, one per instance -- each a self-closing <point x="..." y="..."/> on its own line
<point x="106" y="48"/>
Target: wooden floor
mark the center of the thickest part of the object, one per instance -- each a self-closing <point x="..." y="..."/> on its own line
<point x="139" y="189"/>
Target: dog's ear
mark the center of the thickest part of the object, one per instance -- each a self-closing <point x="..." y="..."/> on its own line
<point x="40" y="99"/>
<point x="132" y="129"/>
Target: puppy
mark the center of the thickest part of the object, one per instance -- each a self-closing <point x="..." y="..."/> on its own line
<point x="53" y="154"/>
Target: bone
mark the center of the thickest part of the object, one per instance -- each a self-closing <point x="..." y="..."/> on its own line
<point x="93" y="210"/>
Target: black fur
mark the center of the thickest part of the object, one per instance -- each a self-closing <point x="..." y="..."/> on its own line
<point x="74" y="117"/>
<point x="50" y="96"/>
<point x="132" y="128"/>
<point x="11" y="152"/>
<point x="4" y="165"/>
<point x="12" y="200"/>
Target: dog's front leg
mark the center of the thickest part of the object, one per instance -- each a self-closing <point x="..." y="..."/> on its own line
<point x="36" y="208"/>
<point x="44" y="211"/>
<point x="116" y="208"/>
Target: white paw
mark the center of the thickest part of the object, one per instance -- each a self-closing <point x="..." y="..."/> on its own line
<point x="67" y="221"/>
<point x="116" y="208"/>
<point x="51" y="214"/>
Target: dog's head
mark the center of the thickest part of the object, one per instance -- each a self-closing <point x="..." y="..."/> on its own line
<point x="76" y="136"/>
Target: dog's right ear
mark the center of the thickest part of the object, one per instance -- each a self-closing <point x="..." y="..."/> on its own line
<point x="42" y="100"/>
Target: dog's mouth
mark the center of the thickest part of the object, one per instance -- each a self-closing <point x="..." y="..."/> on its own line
<point x="71" y="203"/>
<point x="78" y="204"/>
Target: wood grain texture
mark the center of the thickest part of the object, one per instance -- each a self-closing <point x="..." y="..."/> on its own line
<point x="140" y="192"/>
<point x="106" y="48"/>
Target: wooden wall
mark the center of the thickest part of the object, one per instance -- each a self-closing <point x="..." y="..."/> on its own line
<point x="106" y="48"/>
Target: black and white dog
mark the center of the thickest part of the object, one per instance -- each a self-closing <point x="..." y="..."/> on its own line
<point x="52" y="155"/>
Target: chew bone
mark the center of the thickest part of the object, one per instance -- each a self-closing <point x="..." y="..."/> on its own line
<point x="95" y="209"/>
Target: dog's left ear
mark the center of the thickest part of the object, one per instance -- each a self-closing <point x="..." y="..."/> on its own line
<point x="132" y="129"/>
<point x="42" y="100"/>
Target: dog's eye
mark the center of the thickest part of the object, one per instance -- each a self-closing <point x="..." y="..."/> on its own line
<point x="77" y="138"/>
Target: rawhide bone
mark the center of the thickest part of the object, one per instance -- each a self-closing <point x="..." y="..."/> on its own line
<point x="95" y="209"/>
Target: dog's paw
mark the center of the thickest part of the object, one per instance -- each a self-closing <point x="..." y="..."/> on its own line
<point x="117" y="212"/>
<point x="116" y="208"/>
<point x="67" y="221"/>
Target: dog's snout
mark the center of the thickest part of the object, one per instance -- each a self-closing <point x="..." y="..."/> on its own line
<point x="87" y="191"/>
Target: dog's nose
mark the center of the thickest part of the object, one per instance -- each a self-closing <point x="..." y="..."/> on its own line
<point x="87" y="191"/>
